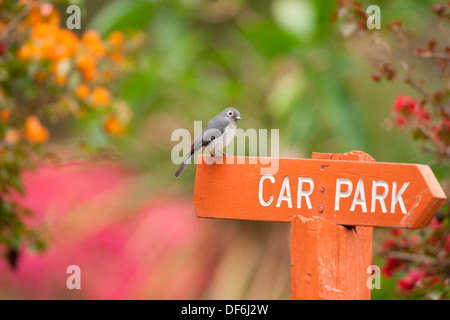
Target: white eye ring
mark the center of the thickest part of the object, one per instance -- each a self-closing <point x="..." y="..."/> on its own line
<point x="230" y="113"/>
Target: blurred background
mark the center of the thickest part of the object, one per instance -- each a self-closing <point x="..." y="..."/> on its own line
<point x="123" y="217"/>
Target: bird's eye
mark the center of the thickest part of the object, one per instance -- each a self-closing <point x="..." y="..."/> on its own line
<point x="230" y="113"/>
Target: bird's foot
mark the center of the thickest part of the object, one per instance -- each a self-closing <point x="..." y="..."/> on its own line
<point x="226" y="154"/>
<point x="214" y="157"/>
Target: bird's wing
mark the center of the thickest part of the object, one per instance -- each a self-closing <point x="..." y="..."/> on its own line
<point x="213" y="130"/>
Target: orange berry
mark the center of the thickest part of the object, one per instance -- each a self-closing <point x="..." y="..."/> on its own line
<point x="113" y="126"/>
<point x="26" y="51"/>
<point x="35" y="131"/>
<point x="61" y="80"/>
<point x="90" y="75"/>
<point x="85" y="61"/>
<point x="39" y="30"/>
<point x="100" y="96"/>
<point x="5" y="114"/>
<point x="90" y="37"/>
<point x="93" y="42"/>
<point x="82" y="91"/>
<point x="34" y="16"/>
<point x="47" y="49"/>
<point x="66" y="44"/>
<point x="116" y="38"/>
<point x="116" y="56"/>
<point x="87" y="66"/>
<point x="42" y="12"/>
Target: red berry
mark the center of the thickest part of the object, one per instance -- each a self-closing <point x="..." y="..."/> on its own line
<point x="422" y="114"/>
<point x="410" y="280"/>
<point x="391" y="266"/>
<point x="447" y="243"/>
<point x="403" y="104"/>
<point x="388" y="244"/>
<point x="396" y="232"/>
<point x="434" y="240"/>
<point x="375" y="77"/>
<point x="416" y="275"/>
<point x="435" y="224"/>
<point x="438" y="9"/>
<point x="405" y="284"/>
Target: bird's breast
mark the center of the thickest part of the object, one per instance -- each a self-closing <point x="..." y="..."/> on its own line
<point x="228" y="136"/>
<point x="223" y="140"/>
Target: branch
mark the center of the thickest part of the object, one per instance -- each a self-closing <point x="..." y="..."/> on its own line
<point x="413" y="257"/>
<point x="12" y="25"/>
<point x="429" y="54"/>
<point x="419" y="258"/>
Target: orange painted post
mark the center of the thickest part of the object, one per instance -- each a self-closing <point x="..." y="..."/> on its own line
<point x="330" y="261"/>
<point x="321" y="196"/>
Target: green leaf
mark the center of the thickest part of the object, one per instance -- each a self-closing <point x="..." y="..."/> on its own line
<point x="268" y="38"/>
<point x="121" y="15"/>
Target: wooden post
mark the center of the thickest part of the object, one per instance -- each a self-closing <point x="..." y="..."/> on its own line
<point x="330" y="261"/>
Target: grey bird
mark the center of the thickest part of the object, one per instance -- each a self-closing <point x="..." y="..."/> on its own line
<point x="217" y="134"/>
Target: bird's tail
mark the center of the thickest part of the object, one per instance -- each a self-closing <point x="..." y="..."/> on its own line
<point x="183" y="166"/>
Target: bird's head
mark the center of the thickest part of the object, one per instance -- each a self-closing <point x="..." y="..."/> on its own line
<point x="231" y="113"/>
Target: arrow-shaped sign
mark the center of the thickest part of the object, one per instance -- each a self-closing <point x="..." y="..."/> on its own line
<point x="343" y="192"/>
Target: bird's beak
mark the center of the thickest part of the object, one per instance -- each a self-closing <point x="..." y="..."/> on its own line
<point x="238" y="118"/>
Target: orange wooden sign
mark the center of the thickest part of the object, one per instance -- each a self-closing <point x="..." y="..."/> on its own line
<point x="318" y="196"/>
<point x="342" y="192"/>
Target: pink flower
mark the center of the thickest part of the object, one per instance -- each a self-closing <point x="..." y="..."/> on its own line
<point x="435" y="224"/>
<point x="422" y="114"/>
<point x="391" y="266"/>
<point x="375" y="77"/>
<point x="446" y="123"/>
<point x="389" y="244"/>
<point x="408" y="282"/>
<point x="405" y="107"/>
<point x="155" y="248"/>
<point x="396" y="232"/>
<point x="405" y="284"/>
<point x="404" y="103"/>
<point x="447" y="243"/>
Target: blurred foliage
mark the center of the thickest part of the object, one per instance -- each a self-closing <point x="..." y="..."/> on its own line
<point x="417" y="259"/>
<point x="49" y="75"/>
<point x="280" y="63"/>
